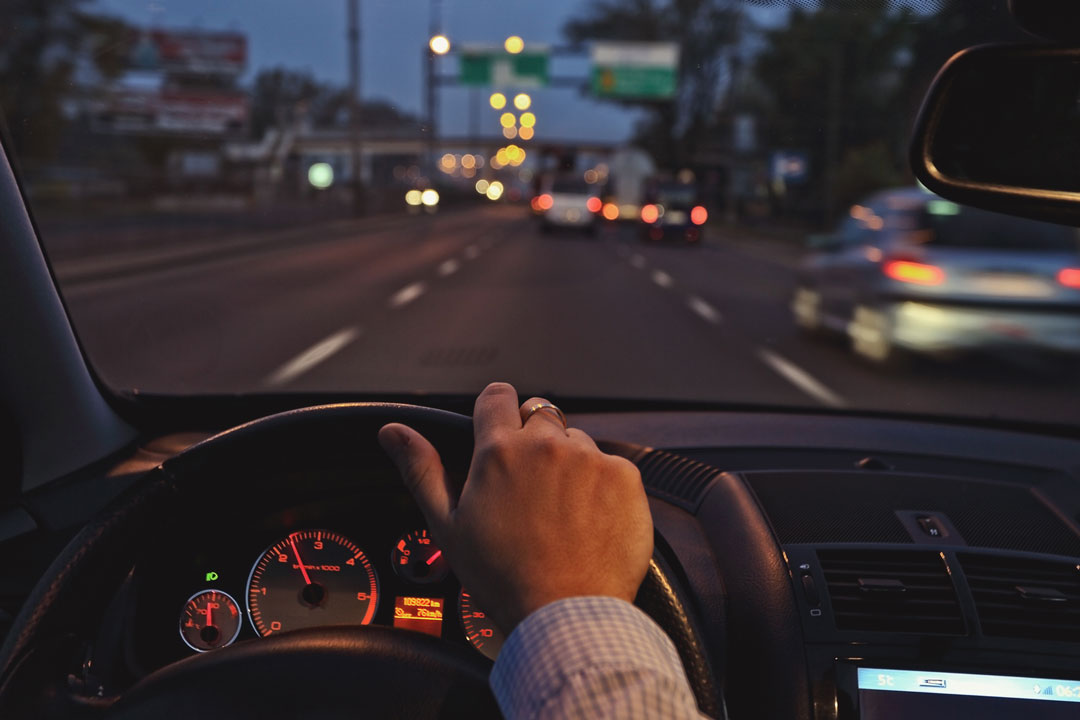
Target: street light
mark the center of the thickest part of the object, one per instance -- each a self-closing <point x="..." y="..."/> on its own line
<point x="507" y="120"/>
<point x="514" y="44"/>
<point x="522" y="101"/>
<point x="439" y="44"/>
<point x="497" y="101"/>
<point x="525" y="133"/>
<point x="528" y="120"/>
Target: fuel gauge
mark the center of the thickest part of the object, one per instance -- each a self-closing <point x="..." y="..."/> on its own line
<point x="417" y="559"/>
<point x="210" y="620"/>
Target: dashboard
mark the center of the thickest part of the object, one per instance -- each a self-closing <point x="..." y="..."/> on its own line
<point x="355" y="559"/>
<point x="835" y="568"/>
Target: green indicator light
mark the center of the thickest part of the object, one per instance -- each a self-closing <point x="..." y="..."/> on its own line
<point x="211" y="576"/>
<point x="942" y="207"/>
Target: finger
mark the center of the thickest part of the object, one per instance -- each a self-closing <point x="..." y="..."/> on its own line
<point x="582" y="437"/>
<point x="422" y="471"/>
<point x="496" y="411"/>
<point x="545" y="418"/>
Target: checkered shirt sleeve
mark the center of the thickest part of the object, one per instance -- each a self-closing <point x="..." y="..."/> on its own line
<point x="591" y="657"/>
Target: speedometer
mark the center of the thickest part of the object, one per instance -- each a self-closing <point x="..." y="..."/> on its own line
<point x="309" y="579"/>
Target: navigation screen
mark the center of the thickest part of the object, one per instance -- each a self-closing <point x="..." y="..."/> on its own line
<point x="906" y="694"/>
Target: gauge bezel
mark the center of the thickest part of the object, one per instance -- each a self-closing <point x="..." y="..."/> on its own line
<point x="239" y="624"/>
<point x="369" y="614"/>
<point x="400" y="574"/>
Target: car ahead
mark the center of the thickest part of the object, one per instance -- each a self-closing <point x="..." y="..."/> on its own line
<point x="909" y="272"/>
<point x="566" y="202"/>
<point x="673" y="213"/>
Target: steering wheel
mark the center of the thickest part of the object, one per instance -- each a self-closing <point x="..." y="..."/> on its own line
<point x="319" y="672"/>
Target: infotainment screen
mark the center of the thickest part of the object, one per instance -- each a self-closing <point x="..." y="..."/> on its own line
<point x="906" y="694"/>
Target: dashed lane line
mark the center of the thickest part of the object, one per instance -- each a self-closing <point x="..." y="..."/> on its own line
<point x="449" y="267"/>
<point x="800" y="378"/>
<point x="314" y="355"/>
<point x="662" y="279"/>
<point x="704" y="309"/>
<point x="407" y="294"/>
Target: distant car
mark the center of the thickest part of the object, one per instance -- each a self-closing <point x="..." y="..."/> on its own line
<point x="673" y="212"/>
<point x="566" y="203"/>
<point x="910" y="272"/>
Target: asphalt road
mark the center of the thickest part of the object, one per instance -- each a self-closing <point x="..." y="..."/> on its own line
<point x="447" y="303"/>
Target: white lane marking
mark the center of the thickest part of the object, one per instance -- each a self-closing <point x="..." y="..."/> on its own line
<point x="472" y="252"/>
<point x="800" y="378"/>
<point x="704" y="309"/>
<point x="407" y="294"/>
<point x="314" y="355"/>
<point x="637" y="261"/>
<point x="662" y="279"/>
<point x="449" y="267"/>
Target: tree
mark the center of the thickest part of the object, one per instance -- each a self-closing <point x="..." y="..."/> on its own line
<point x="706" y="30"/>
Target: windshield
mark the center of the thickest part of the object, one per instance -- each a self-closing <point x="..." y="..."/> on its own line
<point x="958" y="227"/>
<point x="245" y="196"/>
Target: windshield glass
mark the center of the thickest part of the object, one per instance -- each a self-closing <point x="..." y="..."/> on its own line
<point x="242" y="196"/>
<point x="958" y="227"/>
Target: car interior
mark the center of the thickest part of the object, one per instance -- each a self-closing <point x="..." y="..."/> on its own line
<point x="812" y="563"/>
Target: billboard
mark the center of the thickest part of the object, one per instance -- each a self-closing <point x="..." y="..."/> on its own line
<point x="132" y="110"/>
<point x="194" y="52"/>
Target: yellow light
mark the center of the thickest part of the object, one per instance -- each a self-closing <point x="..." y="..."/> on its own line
<point x="482" y="186"/>
<point x="514" y="44"/>
<point x="509" y="133"/>
<point x="525" y="133"/>
<point x="522" y="101"/>
<point x="449" y="162"/>
<point x="528" y="120"/>
<point x="507" y="120"/>
<point x="502" y="157"/>
<point x="497" y="100"/>
<point x="413" y="197"/>
<point x="439" y="44"/>
<point x="429" y="198"/>
<point x="494" y="190"/>
<point x="496" y="164"/>
<point x="468" y="162"/>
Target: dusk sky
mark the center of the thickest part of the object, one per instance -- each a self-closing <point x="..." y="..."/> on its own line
<point x="310" y="35"/>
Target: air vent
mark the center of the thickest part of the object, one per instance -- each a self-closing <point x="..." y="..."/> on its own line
<point x="886" y="591"/>
<point x="679" y="480"/>
<point x="1030" y="599"/>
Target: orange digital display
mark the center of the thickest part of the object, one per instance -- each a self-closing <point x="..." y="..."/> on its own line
<point x="422" y="614"/>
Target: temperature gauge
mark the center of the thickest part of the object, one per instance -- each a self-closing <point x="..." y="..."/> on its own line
<point x="417" y="559"/>
<point x="210" y="620"/>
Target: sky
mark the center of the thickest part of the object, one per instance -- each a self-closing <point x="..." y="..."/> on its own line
<point x="310" y="35"/>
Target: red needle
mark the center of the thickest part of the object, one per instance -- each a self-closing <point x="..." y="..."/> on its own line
<point x="209" y="612"/>
<point x="299" y="562"/>
<point x="434" y="556"/>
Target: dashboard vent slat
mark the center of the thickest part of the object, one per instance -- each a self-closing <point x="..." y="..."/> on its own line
<point x="903" y="591"/>
<point x="1021" y="598"/>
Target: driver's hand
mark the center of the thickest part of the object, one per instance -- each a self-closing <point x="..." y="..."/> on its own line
<point x="543" y="515"/>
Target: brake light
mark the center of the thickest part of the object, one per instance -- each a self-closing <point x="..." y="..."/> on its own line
<point x="544" y="202"/>
<point x="594" y="204"/>
<point x="650" y="214"/>
<point x="914" y="272"/>
<point x="1069" y="277"/>
<point x="699" y="215"/>
<point x="610" y="211"/>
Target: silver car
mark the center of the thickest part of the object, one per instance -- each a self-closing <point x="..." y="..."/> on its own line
<point x="909" y="272"/>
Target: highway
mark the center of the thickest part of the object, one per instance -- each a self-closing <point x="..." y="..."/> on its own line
<point x="449" y="302"/>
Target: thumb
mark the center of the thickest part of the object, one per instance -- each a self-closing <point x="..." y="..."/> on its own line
<point x="422" y="471"/>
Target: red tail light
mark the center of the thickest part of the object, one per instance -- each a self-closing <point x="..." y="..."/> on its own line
<point x="535" y="204"/>
<point x="699" y="215"/>
<point x="544" y="202"/>
<point x="1070" y="277"/>
<point x="649" y="214"/>
<point x="594" y="204"/>
<point x="914" y="272"/>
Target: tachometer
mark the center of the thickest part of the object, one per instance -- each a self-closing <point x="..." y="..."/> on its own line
<point x="311" y="578"/>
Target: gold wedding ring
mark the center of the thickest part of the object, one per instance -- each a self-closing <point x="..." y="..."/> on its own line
<point x="545" y="406"/>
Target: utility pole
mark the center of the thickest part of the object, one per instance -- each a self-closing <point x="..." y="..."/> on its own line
<point x="355" y="113"/>
<point x="434" y="20"/>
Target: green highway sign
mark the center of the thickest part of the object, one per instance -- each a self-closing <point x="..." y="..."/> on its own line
<point x="498" y="68"/>
<point x="635" y="71"/>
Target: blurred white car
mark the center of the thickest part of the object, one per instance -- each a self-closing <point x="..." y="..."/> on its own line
<point x="566" y="202"/>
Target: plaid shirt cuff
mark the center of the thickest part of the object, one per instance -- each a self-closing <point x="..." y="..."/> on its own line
<point x="591" y="657"/>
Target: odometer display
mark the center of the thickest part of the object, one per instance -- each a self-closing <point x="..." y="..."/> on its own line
<point x="309" y="579"/>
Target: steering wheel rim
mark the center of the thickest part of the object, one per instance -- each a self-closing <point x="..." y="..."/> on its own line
<point x="71" y="597"/>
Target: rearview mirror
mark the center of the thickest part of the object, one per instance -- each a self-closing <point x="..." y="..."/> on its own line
<point x="1000" y="129"/>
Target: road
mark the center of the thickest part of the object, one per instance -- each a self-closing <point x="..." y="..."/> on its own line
<point x="446" y="303"/>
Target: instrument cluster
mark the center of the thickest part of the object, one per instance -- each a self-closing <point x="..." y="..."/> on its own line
<point x="351" y="565"/>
